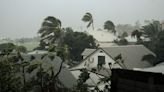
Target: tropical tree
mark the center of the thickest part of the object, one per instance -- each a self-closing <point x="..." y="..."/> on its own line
<point x="45" y="73"/>
<point x="137" y="34"/>
<point x="51" y="30"/>
<point x="88" y="18"/>
<point x="12" y="70"/>
<point x="154" y="33"/>
<point x="77" y="42"/>
<point x="121" y="40"/>
<point x="109" y="25"/>
<point x="124" y="34"/>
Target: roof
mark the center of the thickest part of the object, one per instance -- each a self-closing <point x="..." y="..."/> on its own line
<point x="38" y="52"/>
<point x="65" y="76"/>
<point x="94" y="77"/>
<point x="87" y="51"/>
<point x="131" y="54"/>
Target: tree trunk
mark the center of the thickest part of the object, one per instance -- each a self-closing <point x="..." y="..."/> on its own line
<point x="24" y="79"/>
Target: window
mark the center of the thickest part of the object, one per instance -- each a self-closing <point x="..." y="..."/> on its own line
<point x="101" y="61"/>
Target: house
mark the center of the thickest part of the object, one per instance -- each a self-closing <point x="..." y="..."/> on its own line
<point x="103" y="38"/>
<point x="131" y="54"/>
<point x="129" y="57"/>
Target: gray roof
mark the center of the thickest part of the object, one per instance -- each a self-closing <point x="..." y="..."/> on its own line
<point x="131" y="54"/>
<point x="65" y="76"/>
<point x="87" y="52"/>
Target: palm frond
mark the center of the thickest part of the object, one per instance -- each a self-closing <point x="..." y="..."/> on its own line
<point x="87" y="17"/>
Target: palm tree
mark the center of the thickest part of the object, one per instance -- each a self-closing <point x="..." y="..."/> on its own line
<point x="88" y="18"/>
<point x="154" y="33"/>
<point x="51" y="30"/>
<point x="136" y="34"/>
<point x="150" y="31"/>
<point x="109" y="25"/>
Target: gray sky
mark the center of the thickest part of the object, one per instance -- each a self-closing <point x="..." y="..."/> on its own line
<point x="23" y="18"/>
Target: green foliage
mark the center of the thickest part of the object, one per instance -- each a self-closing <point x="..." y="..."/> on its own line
<point x="124" y="34"/>
<point x="105" y="80"/>
<point x="83" y="77"/>
<point x="137" y="34"/>
<point x="22" y="49"/>
<point x="121" y="41"/>
<point x="77" y="42"/>
<point x="152" y="31"/>
<point x="9" y="82"/>
<point x="7" y="48"/>
<point x="14" y="68"/>
<point x="64" y="41"/>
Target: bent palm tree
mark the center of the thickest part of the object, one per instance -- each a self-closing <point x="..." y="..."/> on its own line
<point x="88" y="18"/>
<point x="51" y="29"/>
<point x="109" y="25"/>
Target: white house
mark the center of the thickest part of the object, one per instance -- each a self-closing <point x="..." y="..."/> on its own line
<point x="102" y="37"/>
<point x="105" y="38"/>
<point x="130" y="57"/>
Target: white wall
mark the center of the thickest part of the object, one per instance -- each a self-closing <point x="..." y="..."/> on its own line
<point x="92" y="61"/>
